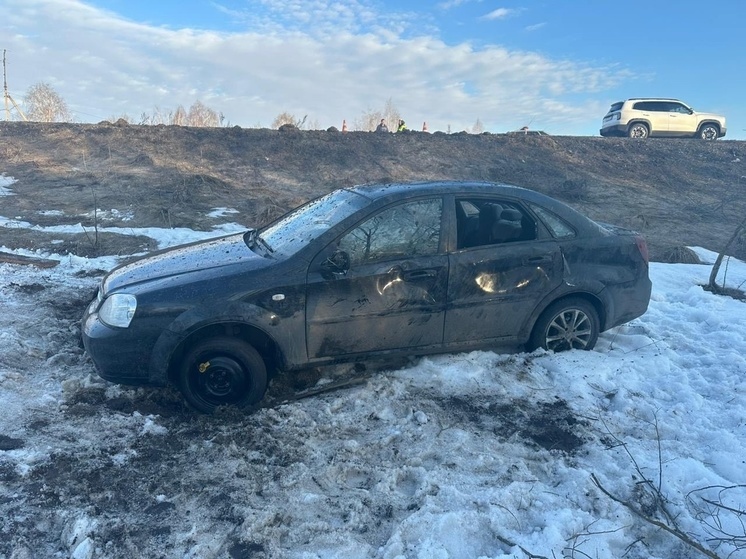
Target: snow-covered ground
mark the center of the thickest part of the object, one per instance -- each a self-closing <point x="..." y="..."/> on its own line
<point x="477" y="455"/>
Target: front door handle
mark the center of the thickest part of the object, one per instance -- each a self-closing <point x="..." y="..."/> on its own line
<point x="419" y="274"/>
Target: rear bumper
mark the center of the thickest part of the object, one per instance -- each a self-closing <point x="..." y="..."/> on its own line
<point x="630" y="301"/>
<point x="614" y="130"/>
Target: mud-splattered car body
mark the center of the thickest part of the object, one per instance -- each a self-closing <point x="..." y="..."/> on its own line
<point x="362" y="272"/>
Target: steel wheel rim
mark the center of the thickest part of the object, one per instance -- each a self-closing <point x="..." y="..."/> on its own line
<point x="639" y="132"/>
<point x="570" y="329"/>
<point x="222" y="381"/>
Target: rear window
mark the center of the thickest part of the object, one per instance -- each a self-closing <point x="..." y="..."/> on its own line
<point x="656" y="106"/>
<point x="616" y="107"/>
<point x="559" y="228"/>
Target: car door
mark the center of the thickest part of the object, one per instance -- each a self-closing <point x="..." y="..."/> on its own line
<point x="502" y="268"/>
<point x="657" y="114"/>
<point x="681" y="120"/>
<point x="380" y="286"/>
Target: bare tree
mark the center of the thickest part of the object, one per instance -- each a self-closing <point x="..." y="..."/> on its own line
<point x="180" y="117"/>
<point x="391" y="114"/>
<point x="478" y="127"/>
<point x="738" y="236"/>
<point x="202" y="115"/>
<point x="44" y="104"/>
<point x="370" y="118"/>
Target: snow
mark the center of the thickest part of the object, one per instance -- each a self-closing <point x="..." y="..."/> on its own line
<point x="476" y="455"/>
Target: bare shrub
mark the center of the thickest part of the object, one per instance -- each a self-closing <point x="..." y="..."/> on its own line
<point x="573" y="190"/>
<point x="679" y="255"/>
<point x="288" y="118"/>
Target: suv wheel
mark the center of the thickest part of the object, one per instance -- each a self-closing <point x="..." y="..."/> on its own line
<point x="638" y="130"/>
<point x="708" y="132"/>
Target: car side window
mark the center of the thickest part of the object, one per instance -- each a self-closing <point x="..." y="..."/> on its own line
<point x="488" y="222"/>
<point x="679" y="108"/>
<point x="557" y="226"/>
<point x="402" y="231"/>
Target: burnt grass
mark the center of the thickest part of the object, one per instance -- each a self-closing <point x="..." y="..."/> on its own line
<point x="676" y="192"/>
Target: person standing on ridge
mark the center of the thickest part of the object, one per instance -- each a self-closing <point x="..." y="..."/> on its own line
<point x="382" y="126"/>
<point x="402" y="127"/>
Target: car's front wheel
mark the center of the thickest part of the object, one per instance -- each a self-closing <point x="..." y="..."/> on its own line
<point x="222" y="371"/>
<point x="568" y="324"/>
<point x="709" y="132"/>
<point x="638" y="130"/>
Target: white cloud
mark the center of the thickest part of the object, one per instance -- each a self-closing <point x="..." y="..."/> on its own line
<point x="536" y="26"/>
<point x="105" y="66"/>
<point x="449" y="4"/>
<point x="500" y="13"/>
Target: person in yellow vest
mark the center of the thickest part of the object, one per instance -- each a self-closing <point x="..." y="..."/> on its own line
<point x="402" y="127"/>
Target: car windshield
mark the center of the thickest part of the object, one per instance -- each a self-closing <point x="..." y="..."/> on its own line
<point x="293" y="231"/>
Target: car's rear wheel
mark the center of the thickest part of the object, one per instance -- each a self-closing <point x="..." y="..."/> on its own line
<point x="638" y="130"/>
<point x="221" y="372"/>
<point x="568" y="324"/>
<point x="708" y="132"/>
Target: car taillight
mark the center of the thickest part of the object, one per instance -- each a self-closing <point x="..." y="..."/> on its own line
<point x="642" y="246"/>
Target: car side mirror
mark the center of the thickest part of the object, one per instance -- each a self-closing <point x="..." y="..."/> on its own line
<point x="336" y="265"/>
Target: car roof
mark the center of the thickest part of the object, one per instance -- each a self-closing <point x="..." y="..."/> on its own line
<point x="387" y="192"/>
<point x="376" y="191"/>
<point x="652" y="99"/>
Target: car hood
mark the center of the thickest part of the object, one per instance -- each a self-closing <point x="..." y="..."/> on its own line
<point x="712" y="116"/>
<point x="185" y="259"/>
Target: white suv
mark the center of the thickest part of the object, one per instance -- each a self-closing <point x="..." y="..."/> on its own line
<point x="643" y="117"/>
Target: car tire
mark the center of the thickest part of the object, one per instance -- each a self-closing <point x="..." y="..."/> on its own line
<point x="567" y="324"/>
<point x="638" y="130"/>
<point x="708" y="132"/>
<point x="222" y="371"/>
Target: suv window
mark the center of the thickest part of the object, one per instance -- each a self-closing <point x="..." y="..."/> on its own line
<point x="657" y="106"/>
<point x="616" y="107"/>
<point x="678" y="108"/>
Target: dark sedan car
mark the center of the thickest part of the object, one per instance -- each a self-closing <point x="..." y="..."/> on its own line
<point x="362" y="272"/>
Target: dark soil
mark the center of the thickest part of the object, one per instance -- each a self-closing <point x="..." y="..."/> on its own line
<point x="676" y="192"/>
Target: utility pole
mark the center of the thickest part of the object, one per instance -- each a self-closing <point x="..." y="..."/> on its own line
<point x="6" y="96"/>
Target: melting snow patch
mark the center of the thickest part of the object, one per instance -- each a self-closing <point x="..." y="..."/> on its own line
<point x="220" y="212"/>
<point x="4" y="183"/>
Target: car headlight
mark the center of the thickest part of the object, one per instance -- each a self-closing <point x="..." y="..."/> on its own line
<point x="118" y="310"/>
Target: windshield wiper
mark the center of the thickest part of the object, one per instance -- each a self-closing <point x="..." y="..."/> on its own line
<point x="264" y="243"/>
<point x="252" y="239"/>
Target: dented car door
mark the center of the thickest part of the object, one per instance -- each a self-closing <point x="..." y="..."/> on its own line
<point x="380" y="286"/>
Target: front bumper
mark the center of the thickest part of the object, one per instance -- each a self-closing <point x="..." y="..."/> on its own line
<point x="119" y="355"/>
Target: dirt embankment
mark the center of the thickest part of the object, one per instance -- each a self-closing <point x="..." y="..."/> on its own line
<point x="676" y="192"/>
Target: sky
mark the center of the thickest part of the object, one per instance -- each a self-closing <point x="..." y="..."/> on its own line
<point x="453" y="64"/>
<point x="435" y="458"/>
